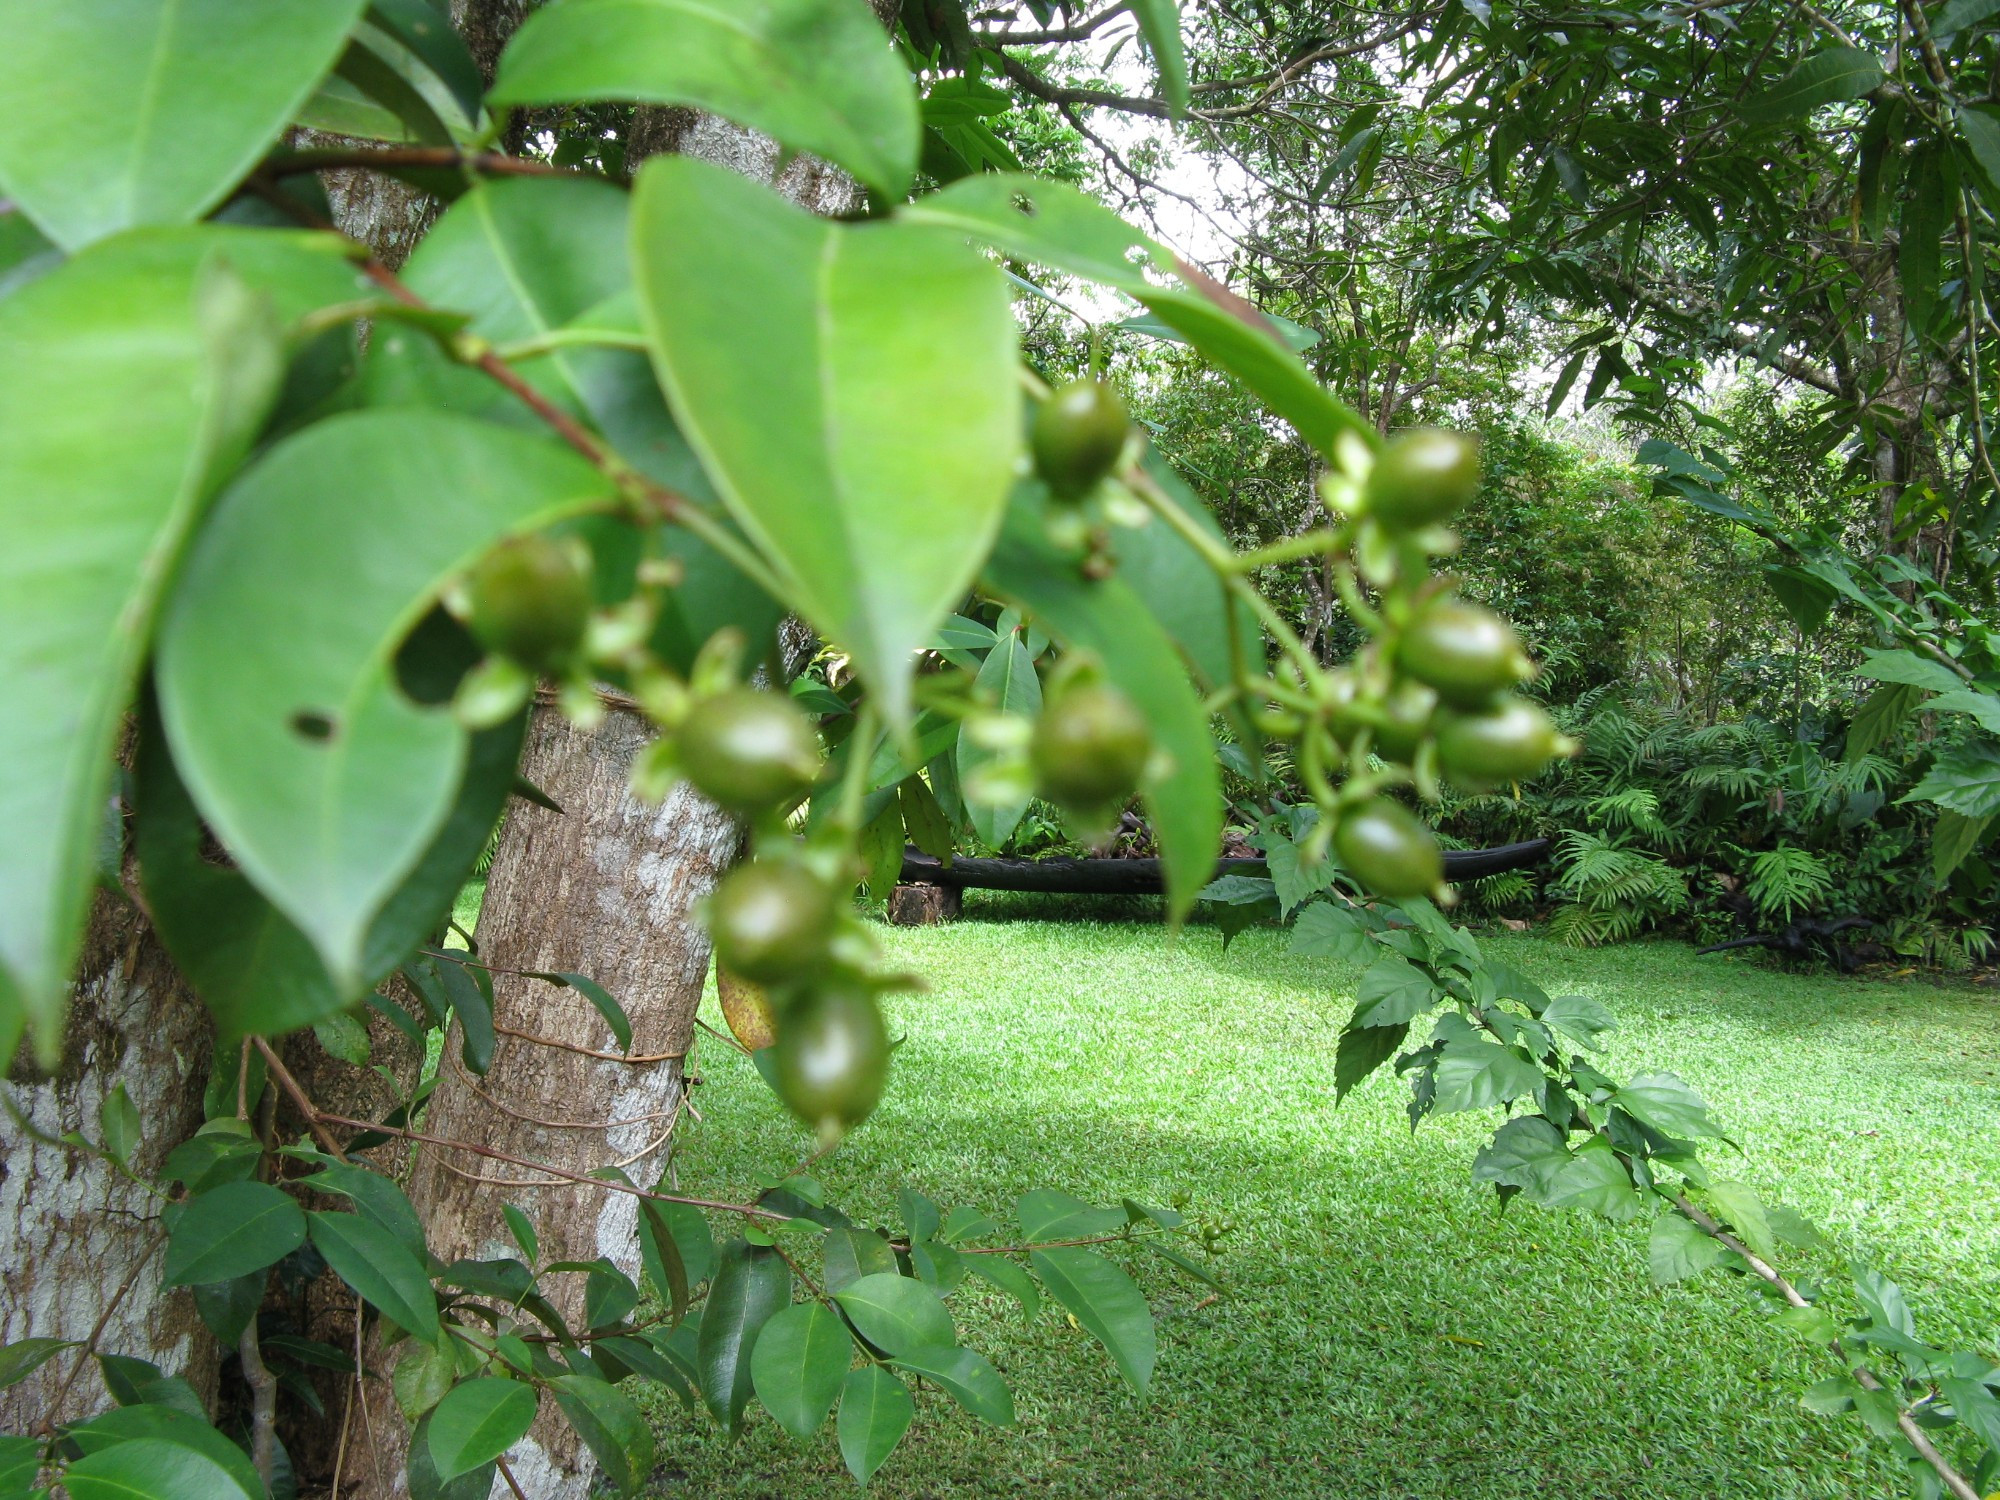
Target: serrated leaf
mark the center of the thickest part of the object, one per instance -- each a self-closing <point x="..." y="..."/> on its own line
<point x="1325" y="930"/>
<point x="1107" y="1304"/>
<point x="875" y="1412"/>
<point x="1739" y="1205"/>
<point x="1595" y="1179"/>
<point x="1473" y="1073"/>
<point x="1580" y="1017"/>
<point x="1527" y="1152"/>
<point x="815" y="75"/>
<point x="1668" y="1105"/>
<point x="1393" y="992"/>
<point x="140" y="133"/>
<point x="1677" y="1249"/>
<point x="324" y="780"/>
<point x="799" y="1364"/>
<point x="1361" y="1050"/>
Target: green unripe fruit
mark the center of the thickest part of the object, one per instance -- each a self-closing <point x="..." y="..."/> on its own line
<point x="1467" y="653"/>
<point x="529" y="601"/>
<point x="1079" y="432"/>
<point x="770" y="922"/>
<point x="748" y="751"/>
<point x="1422" y="477"/>
<point x="1384" y="847"/>
<point x="1408" y="713"/>
<point x="831" y="1059"/>
<point x="1089" y="749"/>
<point x="1509" y="741"/>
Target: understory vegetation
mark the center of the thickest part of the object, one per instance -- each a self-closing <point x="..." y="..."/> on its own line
<point x="1384" y="1331"/>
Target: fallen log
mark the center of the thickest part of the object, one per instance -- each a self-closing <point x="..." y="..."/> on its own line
<point x="1142" y="877"/>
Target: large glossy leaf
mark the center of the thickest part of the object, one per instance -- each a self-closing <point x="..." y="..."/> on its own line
<point x="380" y="1268"/>
<point x="130" y="380"/>
<point x="610" y="1426"/>
<point x="968" y="1378"/>
<point x="1107" y="1303"/>
<point x="1048" y="1214"/>
<point x="124" y="112"/>
<point x="875" y="1412"/>
<point x="896" y="1313"/>
<point x="815" y="75"/>
<point x="155" y="1431"/>
<point x="477" y="1421"/>
<point x="851" y="391"/>
<point x="798" y="1365"/>
<point x="153" y="1469"/>
<point x="1007" y="680"/>
<point x="231" y="1231"/>
<point x="324" y="780"/>
<point x="1184" y="791"/>
<point x="1058" y="225"/>
<point x="752" y="1284"/>
<point x="1827" y="77"/>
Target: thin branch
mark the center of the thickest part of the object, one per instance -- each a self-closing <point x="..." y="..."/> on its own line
<point x="263" y="1400"/>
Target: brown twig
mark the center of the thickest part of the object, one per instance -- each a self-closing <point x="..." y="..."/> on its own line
<point x="83" y="1355"/>
<point x="308" y="1111"/>
<point x="508" y="1475"/>
<point x="263" y="1399"/>
<point x="562" y="1046"/>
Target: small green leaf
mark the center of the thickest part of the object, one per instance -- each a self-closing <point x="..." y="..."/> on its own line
<point x="611" y="1427"/>
<point x="1046" y="1214"/>
<point x="118" y="1119"/>
<point x="895" y="1313"/>
<point x="798" y="1365"/>
<point x="231" y="1231"/>
<point x="1009" y="1277"/>
<point x="1668" y="1105"/>
<point x="477" y="1421"/>
<point x="1579" y="1017"/>
<point x="1324" y="930"/>
<point x="854" y="1253"/>
<point x="1677" y="1249"/>
<point x="380" y="1268"/>
<point x="23" y="1357"/>
<point x="1739" y="1205"/>
<point x="1107" y="1303"/>
<point x="875" y="1412"/>
<point x="1007" y="680"/>
<point x="967" y="1377"/>
<point x="1361" y="1050"/>
<point x="1393" y="991"/>
<point x="523" y="1229"/>
<point x="1595" y="1179"/>
<point x="815" y="75"/>
<point x="966" y="1223"/>
<point x="422" y="1376"/>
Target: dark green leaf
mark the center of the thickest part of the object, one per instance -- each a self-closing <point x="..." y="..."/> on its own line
<point x="380" y="1268"/>
<point x="1526" y="1152"/>
<point x="1393" y="992"/>
<point x="799" y="1364"/>
<point x="226" y="1307"/>
<point x="854" y="1253"/>
<point x="875" y="1412"/>
<point x="1668" y="1105"/>
<point x="895" y="1313"/>
<point x="1363" y="1049"/>
<point x="1953" y="837"/>
<point x="231" y="1231"/>
<point x="477" y="1421"/>
<point x="1827" y="77"/>
<point x="968" y="1378"/>
<point x="1107" y="1304"/>
<point x="611" y="1427"/>
<point x="608" y="1296"/>
<point x="1595" y="1179"/>
<point x="752" y="1284"/>
<point x="1474" y="1073"/>
<point x="1046" y="1214"/>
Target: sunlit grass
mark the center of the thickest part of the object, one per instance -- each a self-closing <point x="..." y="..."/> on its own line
<point x="1386" y="1332"/>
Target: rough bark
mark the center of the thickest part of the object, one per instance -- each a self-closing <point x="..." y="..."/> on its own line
<point x="81" y="1241"/>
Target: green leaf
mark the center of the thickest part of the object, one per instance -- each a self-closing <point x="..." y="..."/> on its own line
<point x="1807" y="598"/>
<point x="23" y="1357"/>
<point x="1474" y="1073"/>
<point x="1964" y="779"/>
<point x="1595" y="1179"/>
<point x="155" y="1468"/>
<point x="1972" y="702"/>
<point x="1107" y="1304"/>
<point x="1007" y="680"/>
<point x="1910" y="669"/>
<point x="815" y="75"/>
<point x="1183" y="790"/>
<point x="379" y="1268"/>
<point x="427" y="31"/>
<point x="1160" y="24"/>
<point x="1182" y="591"/>
<point x="118" y="1122"/>
<point x="1952" y="838"/>
<point x="131" y="379"/>
<point x="966" y="1223"/>
<point x="1580" y="1017"/>
<point x="1361" y="1050"/>
<point x="1046" y="1214"/>
<point x="798" y="1365"/>
<point x="1955" y="17"/>
<point x="1058" y="225"/>
<point x="1668" y="1105"/>
<point x="424" y="1483"/>
<point x="609" y="1296"/>
<point x="125" y="112"/>
<point x="895" y="1313"/>
<point x="1976" y="1407"/>
<point x="231" y="1231"/>
<point x="1325" y="930"/>
<point x="1677" y="1249"/>
<point x="854" y="1253"/>
<point x="618" y="1437"/>
<point x="875" y="1412"/>
<point x="851" y="391"/>
<point x="477" y="1421"/>
<point x="1738" y="1204"/>
<point x="1392" y="992"/>
<point x="1827" y="77"/>
<point x="752" y="1284"/>
<point x="967" y="1377"/>
<point x="422" y="1377"/>
<point x="1010" y="1278"/>
<point x="377" y="1196"/>
<point x="327" y="782"/>
<point x="1526" y="1152"/>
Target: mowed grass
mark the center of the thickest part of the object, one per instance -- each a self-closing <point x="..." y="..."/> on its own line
<point x="1385" y="1331"/>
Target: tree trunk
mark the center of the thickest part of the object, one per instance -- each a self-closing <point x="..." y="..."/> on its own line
<point x="82" y="1242"/>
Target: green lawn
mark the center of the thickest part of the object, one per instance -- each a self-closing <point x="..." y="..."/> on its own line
<point x="1386" y="1333"/>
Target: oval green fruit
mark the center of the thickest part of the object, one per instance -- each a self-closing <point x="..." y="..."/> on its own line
<point x="1407" y="715"/>
<point x="1078" y="433"/>
<point x="770" y="922"/>
<point x="749" y="751"/>
<point x="530" y="602"/>
<point x="1089" y="749"/>
<point x="1509" y="741"/>
<point x="1467" y="653"/>
<point x="1386" y="848"/>
<point x="831" y="1059"/>
<point x="1422" y="477"/>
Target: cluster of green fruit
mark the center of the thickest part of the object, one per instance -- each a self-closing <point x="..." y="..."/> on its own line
<point x="1433" y="692"/>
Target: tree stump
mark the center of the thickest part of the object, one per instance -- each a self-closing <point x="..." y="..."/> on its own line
<point x="924" y="905"/>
